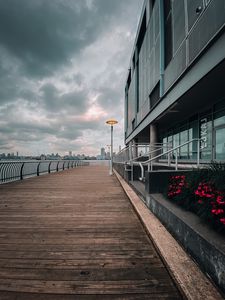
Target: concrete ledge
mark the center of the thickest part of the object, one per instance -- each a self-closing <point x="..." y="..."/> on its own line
<point x="157" y="181"/>
<point x="191" y="281"/>
<point x="204" y="244"/>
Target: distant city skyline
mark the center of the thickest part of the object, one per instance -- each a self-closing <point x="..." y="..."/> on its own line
<point x="103" y="154"/>
<point x="63" y="65"/>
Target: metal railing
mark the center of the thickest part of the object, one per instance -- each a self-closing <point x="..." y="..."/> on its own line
<point x="18" y="170"/>
<point x="139" y="151"/>
<point x="164" y="151"/>
<point x="149" y="162"/>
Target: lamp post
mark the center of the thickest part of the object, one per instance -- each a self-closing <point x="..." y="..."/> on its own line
<point x="111" y="122"/>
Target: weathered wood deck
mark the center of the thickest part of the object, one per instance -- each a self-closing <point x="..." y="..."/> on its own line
<point x="74" y="235"/>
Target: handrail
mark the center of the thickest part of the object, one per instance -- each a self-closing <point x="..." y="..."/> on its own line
<point x="168" y="152"/>
<point x="141" y="145"/>
<point x="147" y="153"/>
<point x="19" y="169"/>
<point x="127" y="153"/>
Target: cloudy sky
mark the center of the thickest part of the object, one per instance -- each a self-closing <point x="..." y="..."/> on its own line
<point x="63" y="66"/>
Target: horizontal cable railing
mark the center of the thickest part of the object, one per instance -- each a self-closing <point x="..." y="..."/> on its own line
<point x="18" y="170"/>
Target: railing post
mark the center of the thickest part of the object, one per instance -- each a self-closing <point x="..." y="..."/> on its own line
<point x="132" y="172"/>
<point x="130" y="152"/>
<point x="21" y="171"/>
<point x="169" y="159"/>
<point x="142" y="171"/>
<point x="176" y="160"/>
<point x="49" y="170"/>
<point x="38" y="168"/>
<point x="198" y="152"/>
<point x="57" y="167"/>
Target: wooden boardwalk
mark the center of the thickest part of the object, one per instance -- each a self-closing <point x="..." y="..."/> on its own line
<point x="74" y="235"/>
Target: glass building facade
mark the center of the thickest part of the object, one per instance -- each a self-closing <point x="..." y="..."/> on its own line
<point x="176" y="77"/>
<point x="208" y="125"/>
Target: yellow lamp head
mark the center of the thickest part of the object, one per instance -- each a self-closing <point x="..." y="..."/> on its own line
<point x="111" y="122"/>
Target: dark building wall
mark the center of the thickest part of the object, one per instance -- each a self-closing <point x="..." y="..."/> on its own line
<point x="178" y="33"/>
<point x="144" y="69"/>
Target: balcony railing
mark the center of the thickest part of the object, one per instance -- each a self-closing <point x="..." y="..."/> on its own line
<point x="18" y="170"/>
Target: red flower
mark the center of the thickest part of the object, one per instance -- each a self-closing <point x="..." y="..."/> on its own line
<point x="222" y="220"/>
<point x="176" y="184"/>
<point x="209" y="196"/>
<point x="220" y="200"/>
<point x="217" y="211"/>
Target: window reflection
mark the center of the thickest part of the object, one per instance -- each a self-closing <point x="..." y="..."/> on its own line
<point x="220" y="144"/>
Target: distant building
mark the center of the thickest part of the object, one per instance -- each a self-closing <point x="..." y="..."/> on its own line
<point x="2" y="155"/>
<point x="42" y="157"/>
<point x="175" y="85"/>
<point x="103" y="154"/>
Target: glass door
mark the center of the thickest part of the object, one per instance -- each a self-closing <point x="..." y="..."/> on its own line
<point x="219" y="146"/>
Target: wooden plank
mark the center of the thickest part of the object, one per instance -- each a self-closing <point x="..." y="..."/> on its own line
<point x="30" y="296"/>
<point x="81" y="263"/>
<point x="102" y="273"/>
<point x="76" y="254"/>
<point x="69" y="236"/>
<point x="86" y="287"/>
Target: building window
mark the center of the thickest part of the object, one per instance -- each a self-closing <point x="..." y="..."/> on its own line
<point x="151" y="5"/>
<point x="137" y="87"/>
<point x="133" y="124"/>
<point x="178" y="24"/>
<point x="193" y="134"/>
<point x="168" y="32"/>
<point x="126" y="109"/>
<point x="219" y="134"/>
<point x="154" y="96"/>
<point x="219" y="118"/>
<point x="129" y="79"/>
<point x="176" y="142"/>
<point x="141" y="32"/>
<point x="192" y="5"/>
<point x="184" y="139"/>
<point x="133" y="62"/>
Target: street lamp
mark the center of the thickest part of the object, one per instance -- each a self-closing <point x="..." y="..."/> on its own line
<point x="111" y="122"/>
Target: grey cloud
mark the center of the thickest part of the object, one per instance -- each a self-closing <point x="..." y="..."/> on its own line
<point x="77" y="78"/>
<point x="4" y="144"/>
<point x="27" y="131"/>
<point x="8" y="81"/>
<point x="13" y="86"/>
<point x="45" y="38"/>
<point x="53" y="101"/>
<point x="109" y="98"/>
<point x="44" y="34"/>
